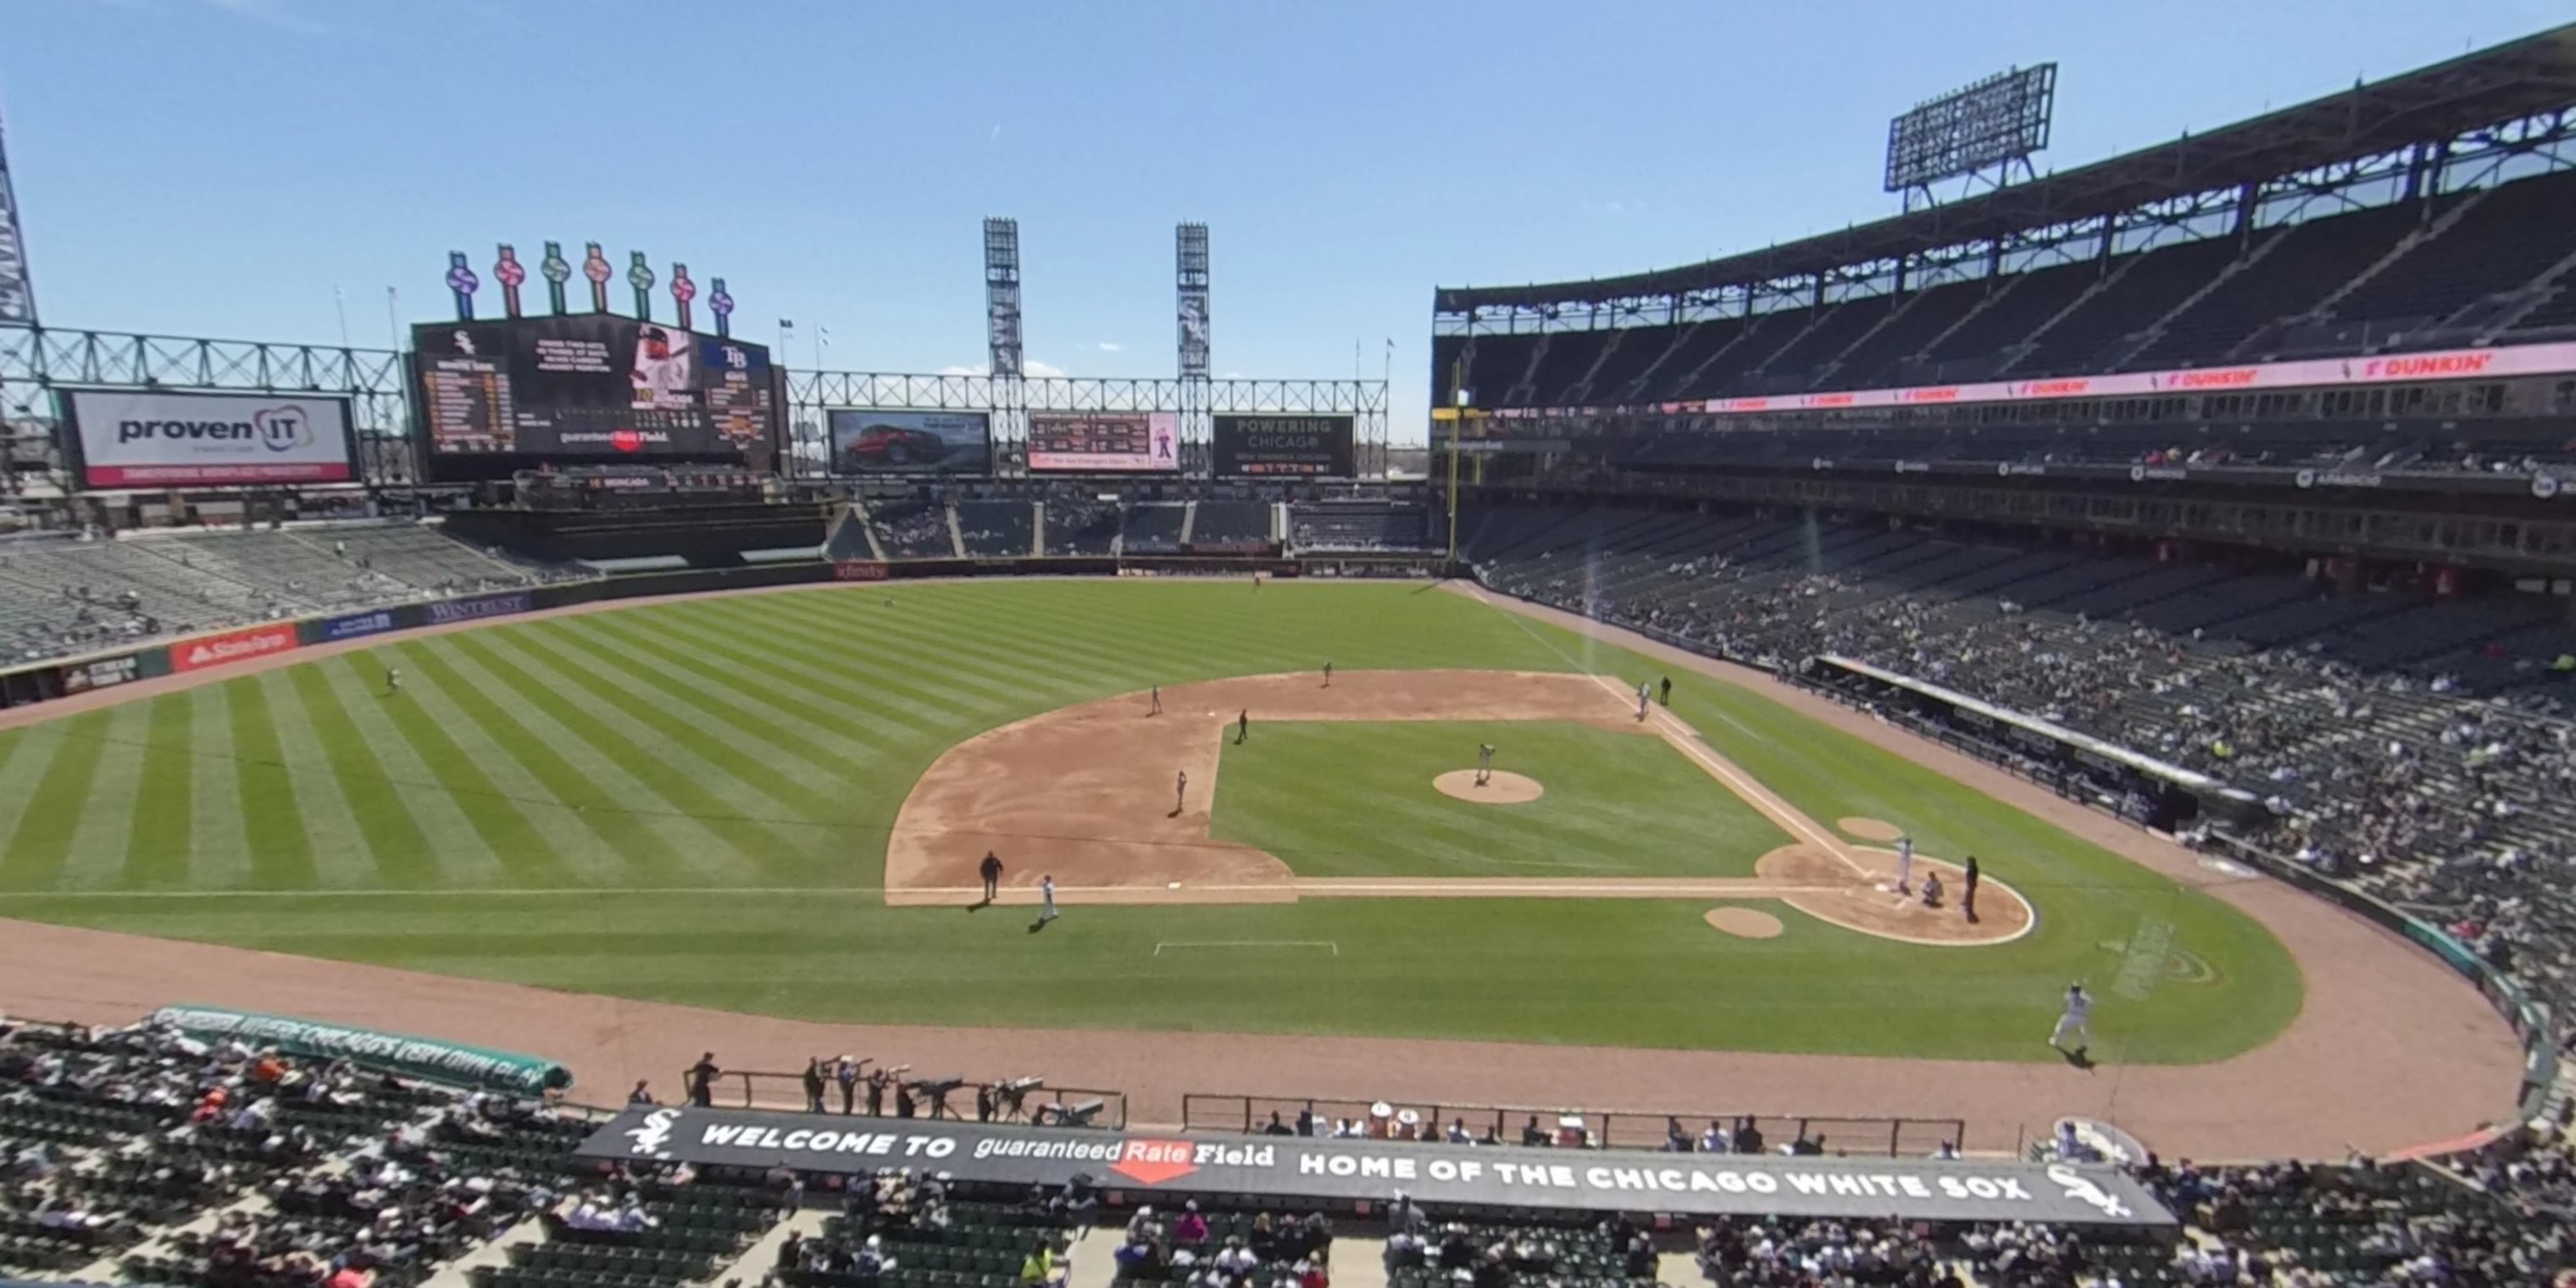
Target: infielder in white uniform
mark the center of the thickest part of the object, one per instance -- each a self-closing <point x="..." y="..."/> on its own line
<point x="1645" y="694"/>
<point x="2076" y="1020"/>
<point x="1905" y="865"/>
<point x="1484" y="763"/>
<point x="1046" y="897"/>
<point x="1180" y="792"/>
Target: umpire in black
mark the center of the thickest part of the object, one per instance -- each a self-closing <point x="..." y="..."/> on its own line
<point x="991" y="870"/>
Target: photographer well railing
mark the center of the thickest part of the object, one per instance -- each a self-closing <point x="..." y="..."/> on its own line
<point x="1599" y="1128"/>
<point x="948" y="1099"/>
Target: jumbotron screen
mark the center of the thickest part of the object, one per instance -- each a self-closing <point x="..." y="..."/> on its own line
<point x="592" y="386"/>
<point x="1104" y="441"/>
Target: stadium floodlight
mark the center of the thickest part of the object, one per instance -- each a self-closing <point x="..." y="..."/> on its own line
<point x="1998" y="122"/>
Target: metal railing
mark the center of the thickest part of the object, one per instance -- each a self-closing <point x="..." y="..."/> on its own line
<point x="1586" y="1128"/>
<point x="1040" y="1104"/>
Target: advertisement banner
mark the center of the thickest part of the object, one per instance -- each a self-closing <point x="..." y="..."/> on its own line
<point x="413" y="1057"/>
<point x="2448" y="364"/>
<point x="589" y="385"/>
<point x="859" y="570"/>
<point x="235" y="646"/>
<point x="1309" y="1169"/>
<point x="126" y="438"/>
<point x="444" y="611"/>
<point x="1103" y="441"/>
<point x="102" y="673"/>
<point x="884" y="441"/>
<point x="1308" y="446"/>
<point x="352" y="626"/>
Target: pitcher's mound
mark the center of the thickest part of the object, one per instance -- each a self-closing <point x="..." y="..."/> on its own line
<point x="1748" y="923"/>
<point x="1500" y="788"/>
<point x="1868" y="829"/>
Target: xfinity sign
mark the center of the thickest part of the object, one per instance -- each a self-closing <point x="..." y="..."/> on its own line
<point x="143" y="438"/>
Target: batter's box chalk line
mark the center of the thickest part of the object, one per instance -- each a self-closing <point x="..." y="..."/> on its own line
<point x="1331" y="946"/>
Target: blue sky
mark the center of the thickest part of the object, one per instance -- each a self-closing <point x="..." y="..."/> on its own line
<point x="218" y="166"/>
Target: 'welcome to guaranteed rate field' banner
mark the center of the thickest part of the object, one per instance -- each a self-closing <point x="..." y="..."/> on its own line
<point x="401" y="1054"/>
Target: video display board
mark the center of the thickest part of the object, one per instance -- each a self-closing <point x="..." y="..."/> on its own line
<point x="589" y="386"/>
<point x="131" y="438"/>
<point x="868" y="440"/>
<point x="1104" y="441"/>
<point x="1284" y="444"/>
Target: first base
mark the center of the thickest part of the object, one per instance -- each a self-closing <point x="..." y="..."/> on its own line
<point x="1171" y="885"/>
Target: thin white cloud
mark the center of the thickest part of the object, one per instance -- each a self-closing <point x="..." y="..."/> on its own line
<point x="994" y="137"/>
<point x="269" y="13"/>
<point x="1109" y="346"/>
<point x="1030" y="367"/>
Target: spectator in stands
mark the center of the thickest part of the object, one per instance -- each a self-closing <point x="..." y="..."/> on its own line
<point x="642" y="1094"/>
<point x="1190" y="1229"/>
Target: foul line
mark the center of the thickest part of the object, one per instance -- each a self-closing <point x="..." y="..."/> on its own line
<point x="1330" y="945"/>
<point x="1682" y="738"/>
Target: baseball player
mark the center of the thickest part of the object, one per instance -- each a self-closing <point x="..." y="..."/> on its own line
<point x="991" y="870"/>
<point x="1968" y="891"/>
<point x="1484" y="763"/>
<point x="1242" y="725"/>
<point x="393" y="681"/>
<point x="1645" y="694"/>
<point x="1157" y="708"/>
<point x="1665" y="693"/>
<point x="2076" y="1020"/>
<point x="1328" y="675"/>
<point x="1905" y="865"/>
<point x="1046" y="897"/>
<point x="1180" y="792"/>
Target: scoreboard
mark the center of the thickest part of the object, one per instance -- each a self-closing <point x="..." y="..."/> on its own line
<point x="590" y="388"/>
<point x="1105" y="441"/>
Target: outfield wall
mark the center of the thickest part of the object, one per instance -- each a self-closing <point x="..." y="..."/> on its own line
<point x="110" y="668"/>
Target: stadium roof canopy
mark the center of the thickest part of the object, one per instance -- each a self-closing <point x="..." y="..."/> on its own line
<point x="2524" y="78"/>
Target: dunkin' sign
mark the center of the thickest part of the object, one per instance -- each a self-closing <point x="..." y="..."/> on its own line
<point x="237" y="646"/>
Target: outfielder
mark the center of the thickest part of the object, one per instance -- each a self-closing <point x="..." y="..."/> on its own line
<point x="393" y="680"/>
<point x="2076" y="1020"/>
<point x="1905" y="865"/>
<point x="1484" y="762"/>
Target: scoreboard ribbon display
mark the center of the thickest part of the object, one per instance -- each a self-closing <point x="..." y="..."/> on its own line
<point x="1124" y="442"/>
<point x="1298" y="445"/>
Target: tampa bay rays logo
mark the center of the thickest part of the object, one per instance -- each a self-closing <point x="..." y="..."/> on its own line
<point x="656" y="1132"/>
<point x="2079" y="1186"/>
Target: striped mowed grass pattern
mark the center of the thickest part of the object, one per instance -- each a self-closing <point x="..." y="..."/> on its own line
<point x="758" y="741"/>
<point x="688" y="801"/>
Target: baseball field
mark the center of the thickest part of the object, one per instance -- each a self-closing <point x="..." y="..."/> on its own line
<point x="773" y="803"/>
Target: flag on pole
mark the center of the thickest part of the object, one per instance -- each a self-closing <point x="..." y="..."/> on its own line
<point x="785" y="325"/>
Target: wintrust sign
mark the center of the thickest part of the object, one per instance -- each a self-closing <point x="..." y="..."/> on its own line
<point x="142" y="438"/>
<point x="466" y="610"/>
<point x="238" y="646"/>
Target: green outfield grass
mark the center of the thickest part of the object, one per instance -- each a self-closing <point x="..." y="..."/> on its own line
<point x="712" y="781"/>
<point x="1325" y="795"/>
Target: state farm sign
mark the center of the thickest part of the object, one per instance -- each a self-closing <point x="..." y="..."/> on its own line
<point x="238" y="646"/>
